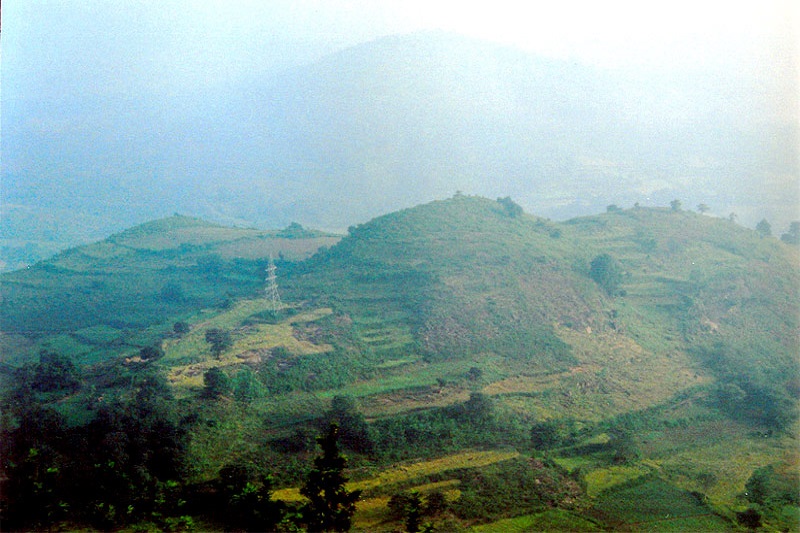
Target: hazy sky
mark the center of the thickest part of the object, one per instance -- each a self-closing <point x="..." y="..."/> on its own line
<point x="54" y="48"/>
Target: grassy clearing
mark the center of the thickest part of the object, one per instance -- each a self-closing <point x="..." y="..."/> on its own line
<point x="190" y="356"/>
<point x="622" y="375"/>
<point x="417" y="376"/>
<point x="651" y="504"/>
<point x="393" y="363"/>
<point x="524" y="384"/>
<point x="551" y="520"/>
<point x="99" y="335"/>
<point x="403" y="401"/>
<point x="717" y="459"/>
<point x="371" y="513"/>
<point x="604" y="478"/>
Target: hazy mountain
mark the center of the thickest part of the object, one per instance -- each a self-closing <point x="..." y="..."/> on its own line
<point x="389" y="124"/>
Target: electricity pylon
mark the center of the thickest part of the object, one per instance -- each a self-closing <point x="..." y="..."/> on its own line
<point x="274" y="298"/>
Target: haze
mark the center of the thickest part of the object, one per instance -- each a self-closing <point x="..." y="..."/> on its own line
<point x="102" y="101"/>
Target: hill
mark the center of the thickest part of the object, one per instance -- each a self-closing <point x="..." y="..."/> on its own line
<point x="127" y="290"/>
<point x="393" y="123"/>
<point x="463" y="346"/>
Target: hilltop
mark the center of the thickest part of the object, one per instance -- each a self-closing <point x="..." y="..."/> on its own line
<point x="636" y="352"/>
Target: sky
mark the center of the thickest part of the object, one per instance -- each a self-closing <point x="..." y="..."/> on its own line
<point x="74" y="71"/>
<point x="54" y="48"/>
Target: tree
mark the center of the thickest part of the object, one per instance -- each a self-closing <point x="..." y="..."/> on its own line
<point x="512" y="209"/>
<point x="478" y="409"/>
<point x="247" y="499"/>
<point x="246" y="386"/>
<point x="151" y="353"/>
<point x="36" y="488"/>
<point x="181" y="328"/>
<point x="606" y="272"/>
<point x="55" y="372"/>
<point x="219" y="339"/>
<point x="331" y="506"/>
<point x="408" y="506"/>
<point x="764" y="228"/>
<point x="474" y="373"/>
<point x="703" y="208"/>
<point x="545" y="435"/>
<point x="675" y="205"/>
<point x="435" y="503"/>
<point x="353" y="428"/>
<point x="751" y="519"/>
<point x="216" y="383"/>
<point x="413" y="512"/>
<point x="793" y="235"/>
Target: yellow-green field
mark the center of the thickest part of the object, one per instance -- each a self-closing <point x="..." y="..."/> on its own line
<point x="402" y="474"/>
<point x="250" y="344"/>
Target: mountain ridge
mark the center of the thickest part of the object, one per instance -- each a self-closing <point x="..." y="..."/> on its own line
<point x="400" y="121"/>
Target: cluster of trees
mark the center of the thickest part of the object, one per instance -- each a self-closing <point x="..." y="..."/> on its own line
<point x="411" y="507"/>
<point x="126" y="467"/>
<point x="120" y="459"/>
<point x="531" y="484"/>
<point x="764" y="395"/>
<point x="119" y="468"/>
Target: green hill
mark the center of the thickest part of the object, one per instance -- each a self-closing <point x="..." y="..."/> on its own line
<point x="636" y="351"/>
<point x="128" y="290"/>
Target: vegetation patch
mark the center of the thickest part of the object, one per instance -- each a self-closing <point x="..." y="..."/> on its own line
<point x="649" y="503"/>
<point x="550" y="520"/>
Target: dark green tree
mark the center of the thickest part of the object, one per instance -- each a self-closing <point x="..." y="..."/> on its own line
<point x="675" y="205"/>
<point x="474" y="373"/>
<point x="553" y="433"/>
<point x="764" y="228"/>
<point x="606" y="272"/>
<point x="353" y="429"/>
<point x="512" y="209"/>
<point x="478" y="409"/>
<point x="751" y="519"/>
<point x="413" y="512"/>
<point x="793" y="235"/>
<point x="35" y="493"/>
<point x="435" y="503"/>
<point x="151" y="353"/>
<point x="246" y="387"/>
<point x="703" y="208"/>
<point x="216" y="383"/>
<point x="330" y="505"/>
<point x="219" y="339"/>
<point x="181" y="328"/>
<point x="248" y="503"/>
<point x="408" y="506"/>
<point x="55" y="372"/>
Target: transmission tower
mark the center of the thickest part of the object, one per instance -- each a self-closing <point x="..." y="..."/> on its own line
<point x="274" y="298"/>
